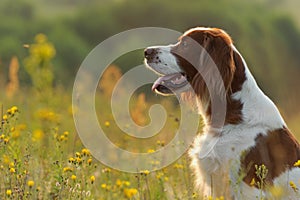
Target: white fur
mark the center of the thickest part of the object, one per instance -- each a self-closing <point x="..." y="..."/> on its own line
<point x="168" y="64"/>
<point x="258" y="109"/>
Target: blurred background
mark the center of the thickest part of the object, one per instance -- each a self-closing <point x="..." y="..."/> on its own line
<point x="265" y="31"/>
<point x="43" y="43"/>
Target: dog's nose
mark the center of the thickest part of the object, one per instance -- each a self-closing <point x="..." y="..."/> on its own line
<point x="149" y="52"/>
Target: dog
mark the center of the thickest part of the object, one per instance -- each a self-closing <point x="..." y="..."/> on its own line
<point x="245" y="151"/>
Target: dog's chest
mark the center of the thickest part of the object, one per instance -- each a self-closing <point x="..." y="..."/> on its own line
<point x="218" y="154"/>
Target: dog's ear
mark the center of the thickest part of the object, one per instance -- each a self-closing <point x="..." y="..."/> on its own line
<point x="203" y="58"/>
<point x="226" y="64"/>
<point x="218" y="54"/>
<point x="239" y="74"/>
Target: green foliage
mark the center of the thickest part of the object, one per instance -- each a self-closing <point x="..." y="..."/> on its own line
<point x="261" y="173"/>
<point x="20" y="8"/>
<point x="72" y="48"/>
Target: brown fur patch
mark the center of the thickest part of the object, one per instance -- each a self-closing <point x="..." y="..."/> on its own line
<point x="278" y="151"/>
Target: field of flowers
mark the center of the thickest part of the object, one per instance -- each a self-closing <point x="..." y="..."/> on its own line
<point x="50" y="163"/>
<point x="42" y="157"/>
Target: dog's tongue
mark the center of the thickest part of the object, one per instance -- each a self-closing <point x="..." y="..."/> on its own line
<point x="171" y="81"/>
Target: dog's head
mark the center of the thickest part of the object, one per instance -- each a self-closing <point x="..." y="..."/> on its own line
<point x="192" y="62"/>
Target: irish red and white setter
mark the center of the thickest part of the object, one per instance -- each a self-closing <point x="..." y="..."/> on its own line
<point x="245" y="151"/>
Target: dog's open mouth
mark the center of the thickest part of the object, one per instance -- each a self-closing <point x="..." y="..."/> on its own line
<point x="171" y="84"/>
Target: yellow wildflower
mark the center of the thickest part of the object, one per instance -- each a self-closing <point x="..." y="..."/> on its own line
<point x="297" y="164"/>
<point x="66" y="133"/>
<point x="85" y="152"/>
<point x="12" y="170"/>
<point x="30" y="183"/>
<point x="252" y="183"/>
<point x="151" y="151"/>
<point x="12" y="110"/>
<point x="92" y="179"/>
<point x="118" y="182"/>
<point x="77" y="154"/>
<point x="40" y="38"/>
<point x="73" y="177"/>
<point x="89" y="161"/>
<point x="6" y="140"/>
<point x="78" y="160"/>
<point x="62" y="138"/>
<point x="160" y="143"/>
<point x="4" y="117"/>
<point x="105" y="186"/>
<point x="8" y="192"/>
<point x="2" y="136"/>
<point x="178" y="166"/>
<point x="130" y="192"/>
<point x="9" y="112"/>
<point x="107" y="124"/>
<point x="11" y="164"/>
<point x="67" y="169"/>
<point x="145" y="172"/>
<point x="293" y="186"/>
<point x="127" y="183"/>
<point x="71" y="160"/>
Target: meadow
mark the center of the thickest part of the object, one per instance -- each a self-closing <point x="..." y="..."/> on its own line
<point x="49" y="162"/>
<point x="42" y="157"/>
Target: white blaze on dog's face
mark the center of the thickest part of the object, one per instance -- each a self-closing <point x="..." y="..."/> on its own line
<point x="161" y="60"/>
